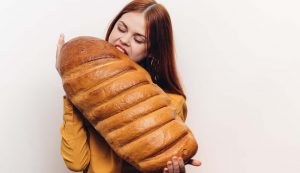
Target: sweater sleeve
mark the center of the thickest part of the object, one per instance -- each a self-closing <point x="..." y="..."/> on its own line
<point x="181" y="109"/>
<point x="74" y="143"/>
<point x="180" y="105"/>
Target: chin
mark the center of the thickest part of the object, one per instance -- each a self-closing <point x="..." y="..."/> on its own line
<point x="133" y="59"/>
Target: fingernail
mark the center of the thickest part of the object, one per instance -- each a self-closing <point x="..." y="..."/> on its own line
<point x="169" y="162"/>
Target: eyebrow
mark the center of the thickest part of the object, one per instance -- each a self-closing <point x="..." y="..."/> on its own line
<point x="127" y="28"/>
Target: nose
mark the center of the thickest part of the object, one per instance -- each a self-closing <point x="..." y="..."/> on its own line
<point x="125" y="40"/>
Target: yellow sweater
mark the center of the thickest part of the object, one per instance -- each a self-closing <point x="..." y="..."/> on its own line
<point x="83" y="149"/>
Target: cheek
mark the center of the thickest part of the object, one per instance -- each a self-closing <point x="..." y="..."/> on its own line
<point x="139" y="52"/>
<point x="113" y="36"/>
<point x="110" y="38"/>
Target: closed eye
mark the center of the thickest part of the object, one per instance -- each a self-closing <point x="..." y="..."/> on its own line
<point x="139" y="41"/>
<point x="121" y="29"/>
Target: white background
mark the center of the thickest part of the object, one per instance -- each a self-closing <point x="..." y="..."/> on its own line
<point x="238" y="59"/>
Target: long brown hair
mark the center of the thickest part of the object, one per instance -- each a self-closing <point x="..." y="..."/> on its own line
<point x="160" y="59"/>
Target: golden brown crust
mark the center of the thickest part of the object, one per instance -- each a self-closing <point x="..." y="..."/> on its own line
<point x="135" y="116"/>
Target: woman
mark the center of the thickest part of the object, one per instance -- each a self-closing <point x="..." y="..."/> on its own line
<point x="143" y="31"/>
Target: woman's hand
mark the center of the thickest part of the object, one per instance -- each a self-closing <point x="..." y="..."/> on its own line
<point x="61" y="42"/>
<point x="176" y="165"/>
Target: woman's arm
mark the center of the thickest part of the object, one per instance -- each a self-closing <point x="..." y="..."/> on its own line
<point x="179" y="103"/>
<point x="74" y="143"/>
<point x="182" y="109"/>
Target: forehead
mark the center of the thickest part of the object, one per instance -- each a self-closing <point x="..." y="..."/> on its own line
<point x="135" y="21"/>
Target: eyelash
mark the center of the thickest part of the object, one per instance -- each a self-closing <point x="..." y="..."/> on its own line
<point x="121" y="30"/>
<point x="139" y="42"/>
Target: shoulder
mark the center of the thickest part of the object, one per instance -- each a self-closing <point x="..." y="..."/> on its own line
<point x="176" y="99"/>
<point x="179" y="103"/>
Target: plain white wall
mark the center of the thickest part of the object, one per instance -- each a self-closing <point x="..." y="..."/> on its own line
<point x="238" y="59"/>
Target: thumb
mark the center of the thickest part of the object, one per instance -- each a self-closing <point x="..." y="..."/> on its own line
<point x="194" y="162"/>
<point x="61" y="39"/>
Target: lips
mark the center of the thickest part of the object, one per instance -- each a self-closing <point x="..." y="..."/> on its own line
<point x="121" y="49"/>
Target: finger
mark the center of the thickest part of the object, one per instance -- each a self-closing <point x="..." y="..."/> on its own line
<point x="181" y="165"/>
<point x="194" y="162"/>
<point x="175" y="164"/>
<point x="170" y="167"/>
<point x="60" y="43"/>
<point x="62" y="37"/>
<point x="61" y="40"/>
<point x="57" y="52"/>
<point x="166" y="170"/>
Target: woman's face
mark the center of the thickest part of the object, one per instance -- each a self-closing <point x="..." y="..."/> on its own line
<point x="128" y="35"/>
